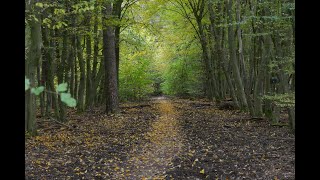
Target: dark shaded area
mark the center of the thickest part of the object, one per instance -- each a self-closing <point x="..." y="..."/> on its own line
<point x="226" y="144"/>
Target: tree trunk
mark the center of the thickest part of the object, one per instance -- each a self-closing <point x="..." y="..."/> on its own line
<point x="49" y="56"/>
<point x="89" y="76"/>
<point x="33" y="60"/>
<point x="111" y="84"/>
<point x="237" y="77"/>
<point x="62" y="74"/>
<point x="117" y="12"/>
<point x="40" y="83"/>
<point x="60" y="70"/>
<point x="258" y="90"/>
<point x="71" y="64"/>
<point x="80" y="103"/>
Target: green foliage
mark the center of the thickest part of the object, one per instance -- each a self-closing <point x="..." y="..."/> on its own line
<point x="83" y="6"/>
<point x="27" y="83"/>
<point x="66" y="98"/>
<point x="135" y="78"/>
<point x="182" y="78"/>
<point x="62" y="87"/>
<point x="37" y="90"/>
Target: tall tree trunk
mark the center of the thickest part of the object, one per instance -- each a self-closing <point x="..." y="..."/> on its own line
<point x="63" y="73"/>
<point x="258" y="90"/>
<point x="31" y="65"/>
<point x="71" y="65"/>
<point x="95" y="82"/>
<point x="75" y="72"/>
<point x="117" y="13"/>
<point x="283" y="79"/>
<point x="49" y="56"/>
<point x="60" y="70"/>
<point x="80" y="103"/>
<point x="241" y="58"/>
<point x="40" y="83"/>
<point x="89" y="76"/>
<point x="237" y="77"/>
<point x="111" y="83"/>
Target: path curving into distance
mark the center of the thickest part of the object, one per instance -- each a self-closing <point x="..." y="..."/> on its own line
<point x="153" y="159"/>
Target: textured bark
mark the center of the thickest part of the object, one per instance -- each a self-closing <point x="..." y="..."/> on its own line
<point x="284" y="85"/>
<point x="89" y="76"/>
<point x="49" y="46"/>
<point x="40" y="83"/>
<point x="235" y="67"/>
<point x="62" y="74"/>
<point x="111" y="83"/>
<point x="75" y="72"/>
<point x="220" y="54"/>
<point x="117" y="13"/>
<point x="198" y="12"/>
<point x="60" y="70"/>
<point x="31" y="66"/>
<point x="81" y="91"/>
<point x="95" y="81"/>
<point x="258" y="90"/>
<point x="71" y="65"/>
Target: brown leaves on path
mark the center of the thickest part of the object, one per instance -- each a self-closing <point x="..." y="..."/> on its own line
<point x="161" y="139"/>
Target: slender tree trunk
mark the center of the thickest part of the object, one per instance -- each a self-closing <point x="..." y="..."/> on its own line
<point x="63" y="73"/>
<point x="258" y="91"/>
<point x="95" y="82"/>
<point x="284" y="84"/>
<point x="89" y="76"/>
<point x="235" y="67"/>
<point x="49" y="55"/>
<point x="60" y="70"/>
<point x="117" y="12"/>
<point x="40" y="83"/>
<point x="33" y="60"/>
<point x="71" y="64"/>
<point x="80" y="103"/>
<point x="98" y="81"/>
<point x="206" y="60"/>
<point x="75" y="72"/>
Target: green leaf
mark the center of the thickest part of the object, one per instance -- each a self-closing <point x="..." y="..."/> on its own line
<point x="62" y="87"/>
<point x="27" y="83"/>
<point x="68" y="100"/>
<point x="39" y="5"/>
<point x="37" y="90"/>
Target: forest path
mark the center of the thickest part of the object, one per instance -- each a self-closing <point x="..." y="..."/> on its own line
<point x="152" y="160"/>
<point x="161" y="138"/>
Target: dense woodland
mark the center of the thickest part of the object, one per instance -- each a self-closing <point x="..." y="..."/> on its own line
<point x="236" y="54"/>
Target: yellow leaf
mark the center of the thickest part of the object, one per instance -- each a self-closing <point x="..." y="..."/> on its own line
<point x="202" y="171"/>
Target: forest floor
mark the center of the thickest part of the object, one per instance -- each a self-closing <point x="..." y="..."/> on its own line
<point x="161" y="139"/>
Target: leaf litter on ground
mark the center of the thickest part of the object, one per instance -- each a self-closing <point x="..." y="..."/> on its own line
<point x="161" y="139"/>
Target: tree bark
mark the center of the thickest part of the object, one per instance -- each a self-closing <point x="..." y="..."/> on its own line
<point x="235" y="67"/>
<point x="80" y="103"/>
<point x="31" y="65"/>
<point x="89" y="72"/>
<point x="117" y="12"/>
<point x="49" y="46"/>
<point x="111" y="83"/>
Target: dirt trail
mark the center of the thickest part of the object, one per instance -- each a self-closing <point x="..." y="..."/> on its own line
<point x="152" y="160"/>
<point x="161" y="139"/>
